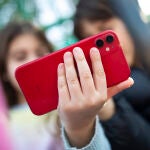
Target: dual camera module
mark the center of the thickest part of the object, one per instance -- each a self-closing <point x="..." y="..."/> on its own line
<point x="100" y="42"/>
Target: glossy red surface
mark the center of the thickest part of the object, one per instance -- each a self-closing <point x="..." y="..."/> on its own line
<point x="38" y="79"/>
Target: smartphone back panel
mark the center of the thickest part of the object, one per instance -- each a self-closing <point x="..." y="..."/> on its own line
<point x="38" y="79"/>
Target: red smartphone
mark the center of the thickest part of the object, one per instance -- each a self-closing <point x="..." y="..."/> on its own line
<point x="38" y="79"/>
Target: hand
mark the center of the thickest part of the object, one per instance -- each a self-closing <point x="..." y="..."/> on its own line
<point x="80" y="102"/>
<point x="108" y="110"/>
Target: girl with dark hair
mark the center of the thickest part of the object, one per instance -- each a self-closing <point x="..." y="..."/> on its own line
<point x="126" y="118"/>
<point x="25" y="32"/>
<point x="20" y="43"/>
<point x="77" y="109"/>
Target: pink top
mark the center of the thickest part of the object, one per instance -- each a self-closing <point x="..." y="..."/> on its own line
<point x="2" y="101"/>
<point x="4" y="130"/>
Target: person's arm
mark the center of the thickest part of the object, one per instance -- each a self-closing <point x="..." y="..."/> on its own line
<point x="80" y="101"/>
<point x="125" y="128"/>
<point x="98" y="140"/>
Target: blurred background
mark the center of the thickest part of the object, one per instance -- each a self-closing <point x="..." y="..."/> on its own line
<point x="54" y="17"/>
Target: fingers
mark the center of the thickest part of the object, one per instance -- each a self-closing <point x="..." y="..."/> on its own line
<point x="120" y="87"/>
<point x="71" y="77"/>
<point x="86" y="78"/>
<point x="98" y="71"/>
<point x="63" y="92"/>
<point x="69" y="86"/>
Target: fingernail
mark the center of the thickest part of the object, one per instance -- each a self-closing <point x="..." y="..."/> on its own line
<point x="132" y="81"/>
<point x="77" y="51"/>
<point x="67" y="55"/>
<point x="94" y="50"/>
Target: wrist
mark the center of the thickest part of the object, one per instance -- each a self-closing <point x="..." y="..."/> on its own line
<point x="85" y="133"/>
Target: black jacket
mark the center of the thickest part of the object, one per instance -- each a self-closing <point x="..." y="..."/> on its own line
<point x="129" y="128"/>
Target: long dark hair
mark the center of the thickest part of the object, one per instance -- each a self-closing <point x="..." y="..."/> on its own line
<point x="128" y="11"/>
<point x="7" y="35"/>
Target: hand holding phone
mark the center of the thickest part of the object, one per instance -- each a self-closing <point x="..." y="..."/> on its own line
<point x="80" y="100"/>
<point x="38" y="79"/>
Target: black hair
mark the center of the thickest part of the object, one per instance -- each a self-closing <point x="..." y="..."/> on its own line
<point x="128" y="11"/>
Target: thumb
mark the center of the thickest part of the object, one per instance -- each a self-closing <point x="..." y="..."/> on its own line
<point x="119" y="87"/>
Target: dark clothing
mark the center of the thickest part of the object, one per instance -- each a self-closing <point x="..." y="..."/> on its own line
<point x="129" y="128"/>
<point x="139" y="94"/>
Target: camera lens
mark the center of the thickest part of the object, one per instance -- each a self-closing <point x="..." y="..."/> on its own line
<point x="99" y="43"/>
<point x="109" y="39"/>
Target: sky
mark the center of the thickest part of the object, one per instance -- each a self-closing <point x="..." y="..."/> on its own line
<point x="145" y="5"/>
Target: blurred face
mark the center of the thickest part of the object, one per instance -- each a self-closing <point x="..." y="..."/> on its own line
<point x="24" y="48"/>
<point x="115" y="24"/>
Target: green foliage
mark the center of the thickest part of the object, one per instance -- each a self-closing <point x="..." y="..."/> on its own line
<point x="28" y="10"/>
<point x="17" y="10"/>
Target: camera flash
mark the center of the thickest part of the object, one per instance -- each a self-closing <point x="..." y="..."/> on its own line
<point x="107" y="49"/>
